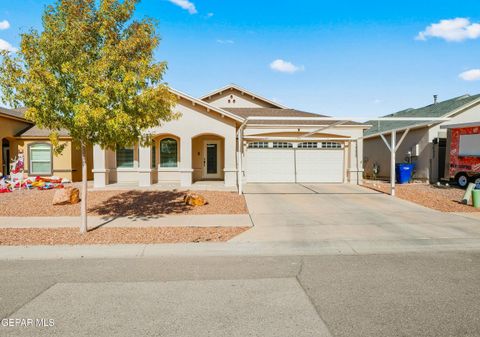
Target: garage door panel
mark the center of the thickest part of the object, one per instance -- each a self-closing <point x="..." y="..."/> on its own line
<point x="324" y="166"/>
<point x="294" y="165"/>
<point x="270" y="165"/>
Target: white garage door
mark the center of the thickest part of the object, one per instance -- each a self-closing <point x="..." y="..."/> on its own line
<point x="324" y="166"/>
<point x="270" y="165"/>
<point x="294" y="165"/>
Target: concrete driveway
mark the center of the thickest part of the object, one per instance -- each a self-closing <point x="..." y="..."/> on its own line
<point x="319" y="212"/>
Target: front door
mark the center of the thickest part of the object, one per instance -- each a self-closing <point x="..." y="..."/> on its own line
<point x="5" y="169"/>
<point x="211" y="159"/>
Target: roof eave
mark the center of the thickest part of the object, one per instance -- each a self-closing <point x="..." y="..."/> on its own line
<point x="20" y="119"/>
<point x="414" y="126"/>
<point x="206" y="105"/>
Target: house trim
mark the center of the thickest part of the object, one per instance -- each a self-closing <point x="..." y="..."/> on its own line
<point x="243" y="91"/>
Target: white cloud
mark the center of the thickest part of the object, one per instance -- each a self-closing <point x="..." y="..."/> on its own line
<point x="185" y="4"/>
<point x="4" y="45"/>
<point x="225" y="41"/>
<point x="377" y="101"/>
<point x="470" y="75"/>
<point x="4" y="25"/>
<point x="209" y="15"/>
<point x="285" y="67"/>
<point x="456" y="30"/>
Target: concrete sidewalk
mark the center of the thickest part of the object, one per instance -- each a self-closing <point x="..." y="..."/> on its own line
<point x="337" y="247"/>
<point x="226" y="220"/>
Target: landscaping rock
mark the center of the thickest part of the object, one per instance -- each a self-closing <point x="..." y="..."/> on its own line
<point x="66" y="196"/>
<point x="195" y="200"/>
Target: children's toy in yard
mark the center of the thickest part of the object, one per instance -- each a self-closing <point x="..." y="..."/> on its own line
<point x="17" y="175"/>
<point x="4" y="187"/>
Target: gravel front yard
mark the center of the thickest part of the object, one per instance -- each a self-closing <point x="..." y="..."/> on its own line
<point x="71" y="236"/>
<point x="121" y="203"/>
<point x="441" y="199"/>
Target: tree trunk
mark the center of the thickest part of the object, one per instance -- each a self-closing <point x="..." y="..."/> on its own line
<point x="83" y="208"/>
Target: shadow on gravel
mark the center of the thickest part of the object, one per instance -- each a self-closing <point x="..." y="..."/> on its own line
<point x="142" y="204"/>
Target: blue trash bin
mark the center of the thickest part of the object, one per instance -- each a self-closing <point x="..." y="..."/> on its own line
<point x="404" y="172"/>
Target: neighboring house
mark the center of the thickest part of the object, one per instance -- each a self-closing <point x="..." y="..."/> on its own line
<point x="425" y="143"/>
<point x="19" y="135"/>
<point x="203" y="145"/>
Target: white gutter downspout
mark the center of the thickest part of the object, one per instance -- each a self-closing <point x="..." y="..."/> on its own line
<point x="239" y="156"/>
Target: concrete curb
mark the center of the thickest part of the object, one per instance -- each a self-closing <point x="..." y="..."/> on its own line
<point x="341" y="247"/>
<point x="207" y="220"/>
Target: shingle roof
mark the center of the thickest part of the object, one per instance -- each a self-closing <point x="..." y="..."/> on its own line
<point x="35" y="131"/>
<point x="437" y="110"/>
<point x="273" y="112"/>
<point x="17" y="113"/>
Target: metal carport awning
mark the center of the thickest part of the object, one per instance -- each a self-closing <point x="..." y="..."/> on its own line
<point x="338" y="122"/>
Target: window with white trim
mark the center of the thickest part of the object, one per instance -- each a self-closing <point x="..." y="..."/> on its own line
<point x="40" y="155"/>
<point x="258" y="145"/>
<point x="282" y="145"/>
<point x="308" y="145"/>
<point x="331" y="145"/>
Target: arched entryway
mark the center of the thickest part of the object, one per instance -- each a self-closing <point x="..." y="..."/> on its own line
<point x="208" y="157"/>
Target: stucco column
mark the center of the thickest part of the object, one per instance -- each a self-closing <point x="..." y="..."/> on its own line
<point x="355" y="168"/>
<point x="230" y="170"/>
<point x="100" y="170"/>
<point x="144" y="165"/>
<point x="186" y="170"/>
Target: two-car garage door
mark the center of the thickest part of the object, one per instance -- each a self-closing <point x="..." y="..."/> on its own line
<point x="294" y="165"/>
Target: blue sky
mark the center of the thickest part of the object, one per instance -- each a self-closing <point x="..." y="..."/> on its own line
<point x="340" y="58"/>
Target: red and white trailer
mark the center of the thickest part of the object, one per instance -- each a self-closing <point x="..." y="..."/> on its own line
<point x="463" y="153"/>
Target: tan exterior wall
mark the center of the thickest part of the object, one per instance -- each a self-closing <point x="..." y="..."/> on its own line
<point x="65" y="165"/>
<point x="8" y="129"/>
<point x="234" y="99"/>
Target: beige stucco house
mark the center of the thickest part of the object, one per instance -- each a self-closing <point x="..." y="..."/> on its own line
<point x="425" y="142"/>
<point x="20" y="136"/>
<point x="214" y="139"/>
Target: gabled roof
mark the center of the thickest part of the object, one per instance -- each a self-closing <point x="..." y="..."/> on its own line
<point x="437" y="110"/>
<point x="245" y="91"/>
<point x="205" y="105"/>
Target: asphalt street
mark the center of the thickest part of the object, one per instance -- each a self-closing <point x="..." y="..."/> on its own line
<point x="421" y="294"/>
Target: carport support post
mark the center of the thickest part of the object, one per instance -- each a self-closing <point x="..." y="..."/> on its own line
<point x="393" y="150"/>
